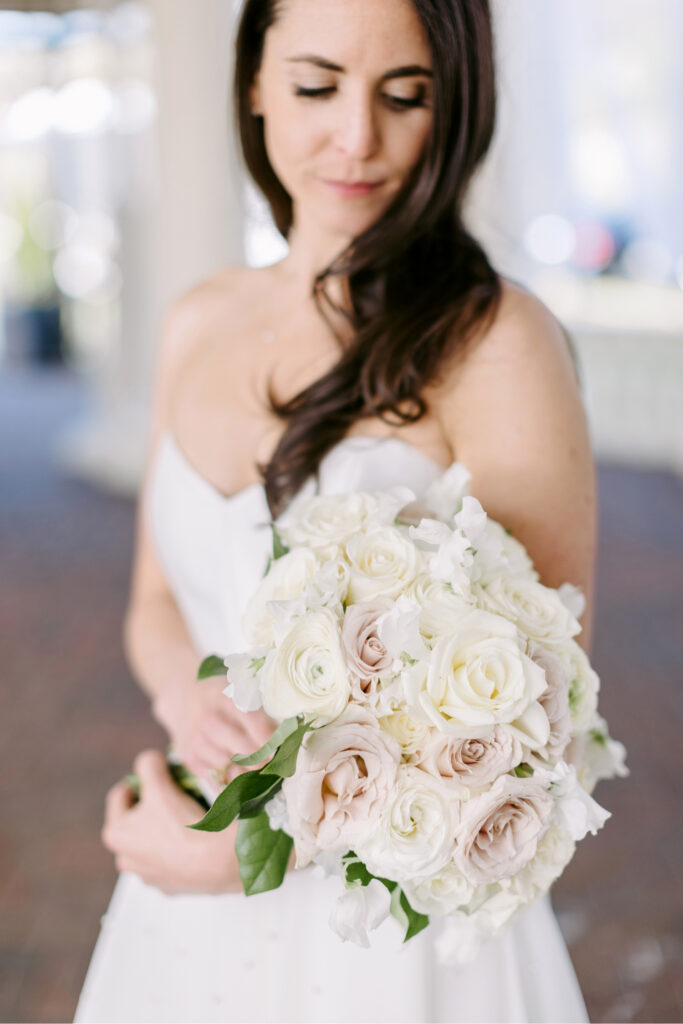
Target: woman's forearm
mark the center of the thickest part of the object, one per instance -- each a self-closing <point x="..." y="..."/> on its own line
<point x="158" y="646"/>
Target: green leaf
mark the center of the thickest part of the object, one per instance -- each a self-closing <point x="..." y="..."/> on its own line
<point x="279" y="549"/>
<point x="212" y="665"/>
<point x="404" y="654"/>
<point x="284" y="762"/>
<point x="416" y="921"/>
<point x="283" y="730"/>
<point x="253" y="807"/>
<point x="523" y="770"/>
<point x="356" y="873"/>
<point x="228" y="803"/>
<point x="262" y="854"/>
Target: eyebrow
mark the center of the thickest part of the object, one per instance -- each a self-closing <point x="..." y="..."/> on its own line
<point x="408" y="71"/>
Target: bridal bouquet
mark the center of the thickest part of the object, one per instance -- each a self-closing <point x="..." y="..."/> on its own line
<point x="439" y="737"/>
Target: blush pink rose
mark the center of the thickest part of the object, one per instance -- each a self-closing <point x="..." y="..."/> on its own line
<point x="555" y="702"/>
<point x="472" y="762"/>
<point x="500" y="829"/>
<point x="345" y="773"/>
<point x="366" y="655"/>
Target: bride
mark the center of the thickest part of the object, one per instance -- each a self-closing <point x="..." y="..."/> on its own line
<point x="380" y="350"/>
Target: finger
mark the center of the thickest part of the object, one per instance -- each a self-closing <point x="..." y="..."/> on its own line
<point x="119" y="799"/>
<point x="259" y="726"/>
<point x="226" y="736"/>
<point x="152" y="768"/>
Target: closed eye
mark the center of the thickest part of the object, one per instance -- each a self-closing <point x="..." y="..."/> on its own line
<point x="395" y="102"/>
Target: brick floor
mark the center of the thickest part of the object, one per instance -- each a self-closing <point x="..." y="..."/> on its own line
<point x="71" y="720"/>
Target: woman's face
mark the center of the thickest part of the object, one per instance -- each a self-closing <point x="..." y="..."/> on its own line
<point x="345" y="90"/>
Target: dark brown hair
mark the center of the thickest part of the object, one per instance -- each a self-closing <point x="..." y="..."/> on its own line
<point x="421" y="286"/>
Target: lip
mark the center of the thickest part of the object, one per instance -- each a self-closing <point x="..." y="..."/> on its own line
<point x="352" y="188"/>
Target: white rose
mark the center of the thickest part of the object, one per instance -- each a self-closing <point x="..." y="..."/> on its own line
<point x="440" y="893"/>
<point x="325" y="522"/>
<point x="382" y="561"/>
<point x="441" y="609"/>
<point x="554" y="851"/>
<point x="446" y="493"/>
<point x="479" y="676"/>
<point x="415" y="832"/>
<point x="287" y="579"/>
<point x="409" y="732"/>
<point x="537" y="610"/>
<point x="308" y="673"/>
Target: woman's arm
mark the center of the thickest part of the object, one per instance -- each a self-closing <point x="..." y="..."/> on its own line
<point x="512" y="412"/>
<point x="202" y="722"/>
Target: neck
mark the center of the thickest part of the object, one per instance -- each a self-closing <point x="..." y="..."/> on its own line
<point x="311" y="250"/>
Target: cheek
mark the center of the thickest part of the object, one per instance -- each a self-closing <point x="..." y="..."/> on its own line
<point x="406" y="145"/>
<point x="291" y="140"/>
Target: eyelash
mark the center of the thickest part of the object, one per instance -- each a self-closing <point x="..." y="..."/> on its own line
<point x="396" y="102"/>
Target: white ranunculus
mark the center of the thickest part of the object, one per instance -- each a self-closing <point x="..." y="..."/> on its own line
<point x="382" y="561"/>
<point x="441" y="608"/>
<point x="359" y="910"/>
<point x="415" y="832"/>
<point x="287" y="579"/>
<point x="584" y="684"/>
<point x="497" y="551"/>
<point x="536" y="610"/>
<point x="440" y="893"/>
<point x="477" y="677"/>
<point x="308" y="672"/>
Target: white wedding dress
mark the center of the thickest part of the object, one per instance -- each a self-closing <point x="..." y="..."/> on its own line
<point x="273" y="957"/>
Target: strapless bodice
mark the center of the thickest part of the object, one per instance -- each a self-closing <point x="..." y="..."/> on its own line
<point x="214" y="548"/>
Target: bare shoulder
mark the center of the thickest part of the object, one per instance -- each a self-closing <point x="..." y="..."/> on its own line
<point x="213" y="309"/>
<point x="512" y="411"/>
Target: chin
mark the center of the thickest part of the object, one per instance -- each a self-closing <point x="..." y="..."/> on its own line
<point x="347" y="223"/>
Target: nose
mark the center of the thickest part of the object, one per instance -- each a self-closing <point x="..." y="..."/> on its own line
<point x="358" y="133"/>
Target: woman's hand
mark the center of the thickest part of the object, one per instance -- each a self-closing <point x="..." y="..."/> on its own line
<point x="206" y="728"/>
<point x="151" y="837"/>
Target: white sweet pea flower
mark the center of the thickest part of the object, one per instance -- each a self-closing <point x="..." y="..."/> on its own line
<point x="445" y="494"/>
<point x="573" y="598"/>
<point x="462" y="935"/>
<point x="575" y="810"/>
<point x="430" y="531"/>
<point x="359" y="911"/>
<point x="398" y="629"/>
<point x="471" y="519"/>
<point x="276" y="809"/>
<point x="329" y="585"/>
<point x="497" y="551"/>
<point x="595" y="755"/>
<point x="245" y="673"/>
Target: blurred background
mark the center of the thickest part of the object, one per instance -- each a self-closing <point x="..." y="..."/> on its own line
<point x="120" y="187"/>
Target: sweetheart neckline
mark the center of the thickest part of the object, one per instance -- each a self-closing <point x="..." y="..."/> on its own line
<point x="170" y="438"/>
